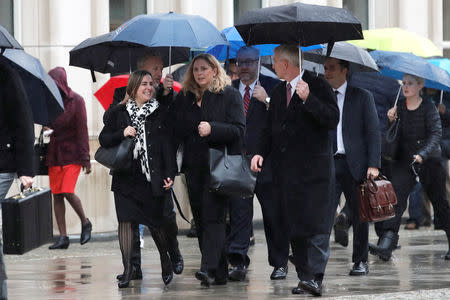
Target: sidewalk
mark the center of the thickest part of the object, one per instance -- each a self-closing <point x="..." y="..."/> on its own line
<point x="417" y="271"/>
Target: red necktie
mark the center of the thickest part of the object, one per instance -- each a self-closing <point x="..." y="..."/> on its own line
<point x="288" y="94"/>
<point x="246" y="99"/>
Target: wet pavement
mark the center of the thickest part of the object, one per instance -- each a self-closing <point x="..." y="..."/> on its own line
<point x="417" y="271"/>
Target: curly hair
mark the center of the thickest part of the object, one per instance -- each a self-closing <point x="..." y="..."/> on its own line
<point x="217" y="84"/>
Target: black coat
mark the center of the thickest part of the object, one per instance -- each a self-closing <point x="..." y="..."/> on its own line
<point x="303" y="169"/>
<point x="360" y="132"/>
<point x="256" y="115"/>
<point x="161" y="157"/>
<point x="225" y="113"/>
<point x="16" y="125"/>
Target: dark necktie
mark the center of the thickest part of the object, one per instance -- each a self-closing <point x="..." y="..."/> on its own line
<point x="288" y="94"/>
<point x="246" y="99"/>
<point x="336" y="92"/>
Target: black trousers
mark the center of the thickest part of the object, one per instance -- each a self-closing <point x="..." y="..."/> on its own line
<point x="238" y="240"/>
<point x="345" y="183"/>
<point x="432" y="178"/>
<point x="274" y="218"/>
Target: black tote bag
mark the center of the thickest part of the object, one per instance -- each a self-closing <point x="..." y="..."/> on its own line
<point x="231" y="174"/>
<point x="390" y="145"/>
<point x="40" y="156"/>
<point x="116" y="158"/>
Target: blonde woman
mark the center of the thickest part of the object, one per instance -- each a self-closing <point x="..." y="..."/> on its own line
<point x="209" y="113"/>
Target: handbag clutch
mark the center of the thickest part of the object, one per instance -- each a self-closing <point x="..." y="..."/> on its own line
<point x="231" y="174"/>
<point x="390" y="145"/>
<point x="118" y="157"/>
<point x="40" y="156"/>
<point x="376" y="199"/>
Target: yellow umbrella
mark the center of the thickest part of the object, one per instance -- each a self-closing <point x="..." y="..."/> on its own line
<point x="398" y="40"/>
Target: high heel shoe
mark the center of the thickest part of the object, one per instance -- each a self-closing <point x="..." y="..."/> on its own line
<point x="85" y="232"/>
<point x="62" y="243"/>
<point x="166" y="269"/>
<point x="127" y="277"/>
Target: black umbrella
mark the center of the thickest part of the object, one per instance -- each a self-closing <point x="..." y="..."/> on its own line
<point x="42" y="92"/>
<point x="299" y="24"/>
<point x="171" y="35"/>
<point x="7" y="40"/>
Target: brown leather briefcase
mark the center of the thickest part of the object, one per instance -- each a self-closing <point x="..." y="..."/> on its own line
<point x="376" y="200"/>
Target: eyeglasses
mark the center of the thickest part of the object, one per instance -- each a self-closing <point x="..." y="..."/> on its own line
<point x="248" y="62"/>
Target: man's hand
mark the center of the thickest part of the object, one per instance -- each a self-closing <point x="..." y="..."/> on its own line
<point x="302" y="89"/>
<point x="168" y="182"/>
<point x="418" y="158"/>
<point x="167" y="84"/>
<point x="256" y="163"/>
<point x="372" y="171"/>
<point x="26" y="181"/>
<point x="87" y="169"/>
<point x="204" y="129"/>
<point x="259" y="93"/>
<point x="441" y="108"/>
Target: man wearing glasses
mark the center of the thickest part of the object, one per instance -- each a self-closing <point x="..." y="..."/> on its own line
<point x="255" y="88"/>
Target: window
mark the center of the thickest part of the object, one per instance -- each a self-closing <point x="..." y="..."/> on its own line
<point x="446" y="28"/>
<point x="6" y="15"/>
<point x="241" y="6"/>
<point x="360" y="8"/>
<point x="121" y="11"/>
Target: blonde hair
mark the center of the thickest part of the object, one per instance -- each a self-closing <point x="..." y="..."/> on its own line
<point x="134" y="81"/>
<point x="418" y="79"/>
<point x="217" y="84"/>
<point x="290" y="53"/>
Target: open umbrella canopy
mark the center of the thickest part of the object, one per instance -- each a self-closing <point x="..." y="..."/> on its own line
<point x="7" y="40"/>
<point x="443" y="63"/>
<point x="359" y="59"/>
<point x="399" y="40"/>
<point x="396" y="64"/>
<point x="118" y="50"/>
<point x="105" y="94"/>
<point x="300" y="24"/>
<point x="43" y="93"/>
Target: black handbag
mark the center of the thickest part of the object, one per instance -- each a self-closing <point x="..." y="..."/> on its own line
<point x="390" y="145"/>
<point x="40" y="156"/>
<point x="119" y="157"/>
<point x="231" y="174"/>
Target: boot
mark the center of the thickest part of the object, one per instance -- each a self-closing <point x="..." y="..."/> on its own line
<point x="166" y="264"/>
<point x="62" y="243"/>
<point x="127" y="277"/>
<point x="387" y="244"/>
<point x="85" y="232"/>
<point x="171" y="232"/>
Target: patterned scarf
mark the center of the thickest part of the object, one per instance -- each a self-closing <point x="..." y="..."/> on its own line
<point x="138" y="115"/>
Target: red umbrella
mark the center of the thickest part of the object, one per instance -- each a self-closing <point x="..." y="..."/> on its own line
<point x="106" y="92"/>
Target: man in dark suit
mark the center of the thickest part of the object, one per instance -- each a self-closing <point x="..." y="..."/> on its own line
<point x="357" y="152"/>
<point x="153" y="63"/>
<point x="255" y="90"/>
<point x="302" y="111"/>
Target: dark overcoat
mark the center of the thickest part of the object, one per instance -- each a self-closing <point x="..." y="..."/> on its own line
<point x="301" y="146"/>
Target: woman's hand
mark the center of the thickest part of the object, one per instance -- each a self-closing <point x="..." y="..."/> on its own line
<point x="418" y="158"/>
<point x="372" y="171"/>
<point x="168" y="182"/>
<point x="392" y="114"/>
<point x="129" y="131"/>
<point x="204" y="129"/>
<point x="256" y="163"/>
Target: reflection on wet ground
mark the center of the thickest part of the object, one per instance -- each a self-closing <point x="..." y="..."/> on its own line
<point x="417" y="270"/>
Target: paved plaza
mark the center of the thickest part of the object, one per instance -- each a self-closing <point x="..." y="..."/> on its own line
<point x="417" y="271"/>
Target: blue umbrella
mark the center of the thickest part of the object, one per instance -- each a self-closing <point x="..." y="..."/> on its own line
<point x="236" y="42"/>
<point x="118" y="50"/>
<point x="42" y="92"/>
<point x="396" y="64"/>
<point x="443" y="63"/>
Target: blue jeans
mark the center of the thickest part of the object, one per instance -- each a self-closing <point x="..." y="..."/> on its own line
<point x="415" y="204"/>
<point x="6" y="180"/>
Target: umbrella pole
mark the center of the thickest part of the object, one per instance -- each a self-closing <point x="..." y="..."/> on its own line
<point x="398" y="94"/>
<point x="299" y="60"/>
<point x="442" y="95"/>
<point x="259" y="68"/>
<point x="170" y="59"/>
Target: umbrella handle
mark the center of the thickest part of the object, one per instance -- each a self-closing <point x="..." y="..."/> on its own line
<point x="398" y="94"/>
<point x="442" y="95"/>
<point x="170" y="59"/>
<point x="300" y="61"/>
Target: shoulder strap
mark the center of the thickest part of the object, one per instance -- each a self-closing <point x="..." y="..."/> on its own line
<point x="174" y="197"/>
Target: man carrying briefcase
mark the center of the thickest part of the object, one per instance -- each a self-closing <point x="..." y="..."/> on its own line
<point x="16" y="142"/>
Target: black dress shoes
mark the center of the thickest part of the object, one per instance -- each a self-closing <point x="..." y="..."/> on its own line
<point x="341" y="225"/>
<point x="177" y="263"/>
<point x="237" y="273"/>
<point x="298" y="291"/>
<point x="360" y="269"/>
<point x="136" y="275"/>
<point x="447" y="256"/>
<point x="279" y="273"/>
<point x="312" y="286"/>
<point x="62" y="243"/>
<point x="205" y="278"/>
<point x="166" y="269"/>
<point x="85" y="232"/>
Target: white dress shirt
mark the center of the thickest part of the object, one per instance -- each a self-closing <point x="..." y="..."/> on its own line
<point x="294" y="81"/>
<point x="340" y="101"/>
<point x="242" y="88"/>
